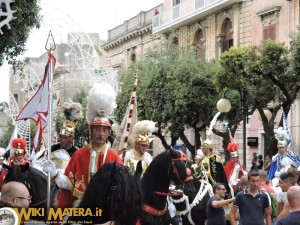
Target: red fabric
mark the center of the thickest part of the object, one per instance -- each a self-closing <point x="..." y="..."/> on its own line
<point x="229" y="168"/>
<point x="78" y="173"/>
<point x="267" y="188"/>
<point x="2" y="176"/>
<point x="14" y="162"/>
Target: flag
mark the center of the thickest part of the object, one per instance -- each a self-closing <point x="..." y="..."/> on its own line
<point x="129" y="119"/>
<point x="291" y="153"/>
<point x="37" y="107"/>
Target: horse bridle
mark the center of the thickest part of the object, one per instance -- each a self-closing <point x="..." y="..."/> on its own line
<point x="27" y="184"/>
<point x="175" y="171"/>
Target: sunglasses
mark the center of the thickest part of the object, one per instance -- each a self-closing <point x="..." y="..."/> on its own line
<point x="28" y="198"/>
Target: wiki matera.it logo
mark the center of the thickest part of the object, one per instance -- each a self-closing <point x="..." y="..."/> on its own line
<point x="8" y="216"/>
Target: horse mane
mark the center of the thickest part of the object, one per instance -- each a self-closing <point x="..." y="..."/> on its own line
<point x="156" y="171"/>
<point x="117" y="192"/>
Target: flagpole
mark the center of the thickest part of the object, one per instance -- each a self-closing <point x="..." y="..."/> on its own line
<point x="128" y="124"/>
<point x="50" y="47"/>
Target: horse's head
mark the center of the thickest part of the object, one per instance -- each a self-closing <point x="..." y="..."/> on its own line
<point x="17" y="173"/>
<point x="177" y="169"/>
<point x="34" y="180"/>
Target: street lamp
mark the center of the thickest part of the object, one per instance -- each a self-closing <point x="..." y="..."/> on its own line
<point x="224" y="105"/>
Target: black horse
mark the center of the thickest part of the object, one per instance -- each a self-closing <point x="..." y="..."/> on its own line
<point x="165" y="167"/>
<point x="192" y="205"/>
<point x="36" y="182"/>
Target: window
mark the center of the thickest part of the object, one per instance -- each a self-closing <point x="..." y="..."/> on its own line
<point x="176" y="9"/>
<point x="199" y="3"/>
<point x="133" y="57"/>
<point x="269" y="32"/>
<point x="175" y="41"/>
<point x="199" y="42"/>
<point x="16" y="98"/>
<point x="16" y="78"/>
<point x="269" y="19"/>
<point x="226" y="29"/>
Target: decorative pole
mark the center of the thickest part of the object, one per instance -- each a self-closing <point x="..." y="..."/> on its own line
<point x="50" y="47"/>
<point x="129" y="124"/>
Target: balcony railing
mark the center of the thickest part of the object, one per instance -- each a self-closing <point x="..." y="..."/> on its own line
<point x="187" y="9"/>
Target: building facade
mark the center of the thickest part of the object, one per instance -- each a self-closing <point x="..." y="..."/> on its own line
<point x="216" y="25"/>
<point x="129" y="41"/>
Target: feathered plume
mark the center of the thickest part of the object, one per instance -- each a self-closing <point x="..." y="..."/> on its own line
<point x="72" y="110"/>
<point x="232" y="147"/>
<point x="281" y="134"/>
<point x="144" y="127"/>
<point x="101" y="101"/>
<point x="19" y="143"/>
<point x="142" y="130"/>
<point x="212" y="123"/>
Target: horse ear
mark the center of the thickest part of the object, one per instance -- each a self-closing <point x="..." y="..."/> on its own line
<point x="174" y="153"/>
<point x="6" y="166"/>
<point x="25" y="167"/>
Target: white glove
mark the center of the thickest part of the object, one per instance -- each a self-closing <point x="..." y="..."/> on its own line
<point x="49" y="167"/>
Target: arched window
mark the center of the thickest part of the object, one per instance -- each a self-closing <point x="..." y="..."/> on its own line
<point x="133" y="57"/>
<point x="199" y="42"/>
<point x="226" y="31"/>
<point x="175" y="40"/>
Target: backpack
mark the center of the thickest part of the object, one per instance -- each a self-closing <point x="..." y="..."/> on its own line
<point x="274" y="203"/>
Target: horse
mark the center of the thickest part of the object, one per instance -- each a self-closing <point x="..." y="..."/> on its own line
<point x="36" y="182"/>
<point x="166" y="167"/>
<point x="192" y="205"/>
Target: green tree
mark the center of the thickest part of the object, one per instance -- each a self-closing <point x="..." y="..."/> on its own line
<point x="263" y="75"/>
<point x="5" y="138"/>
<point x="175" y="90"/>
<point x="13" y="40"/>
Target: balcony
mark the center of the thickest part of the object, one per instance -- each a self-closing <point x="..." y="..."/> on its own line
<point x="187" y="11"/>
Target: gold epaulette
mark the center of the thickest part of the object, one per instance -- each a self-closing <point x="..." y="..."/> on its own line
<point x="218" y="158"/>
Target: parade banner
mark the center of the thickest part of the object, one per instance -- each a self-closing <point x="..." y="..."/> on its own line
<point x="130" y="118"/>
<point x="37" y="107"/>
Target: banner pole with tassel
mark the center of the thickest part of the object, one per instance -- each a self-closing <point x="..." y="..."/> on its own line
<point x="50" y="47"/>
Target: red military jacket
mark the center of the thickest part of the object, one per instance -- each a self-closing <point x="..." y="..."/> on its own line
<point x="78" y="172"/>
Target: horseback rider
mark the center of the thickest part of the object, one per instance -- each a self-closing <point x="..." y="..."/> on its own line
<point x="284" y="159"/>
<point x="87" y="160"/>
<point x="62" y="152"/>
<point x="19" y="144"/>
<point x="212" y="167"/>
<point x="233" y="168"/>
<point x="140" y="141"/>
<point x="196" y="168"/>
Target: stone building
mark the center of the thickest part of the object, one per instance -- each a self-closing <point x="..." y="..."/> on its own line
<point x="217" y="25"/>
<point x="129" y="41"/>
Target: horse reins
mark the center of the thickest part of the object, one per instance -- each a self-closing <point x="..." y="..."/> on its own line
<point x="27" y="184"/>
<point x="175" y="171"/>
<point x="156" y="212"/>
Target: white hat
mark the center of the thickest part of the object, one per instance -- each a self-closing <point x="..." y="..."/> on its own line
<point x="281" y="144"/>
